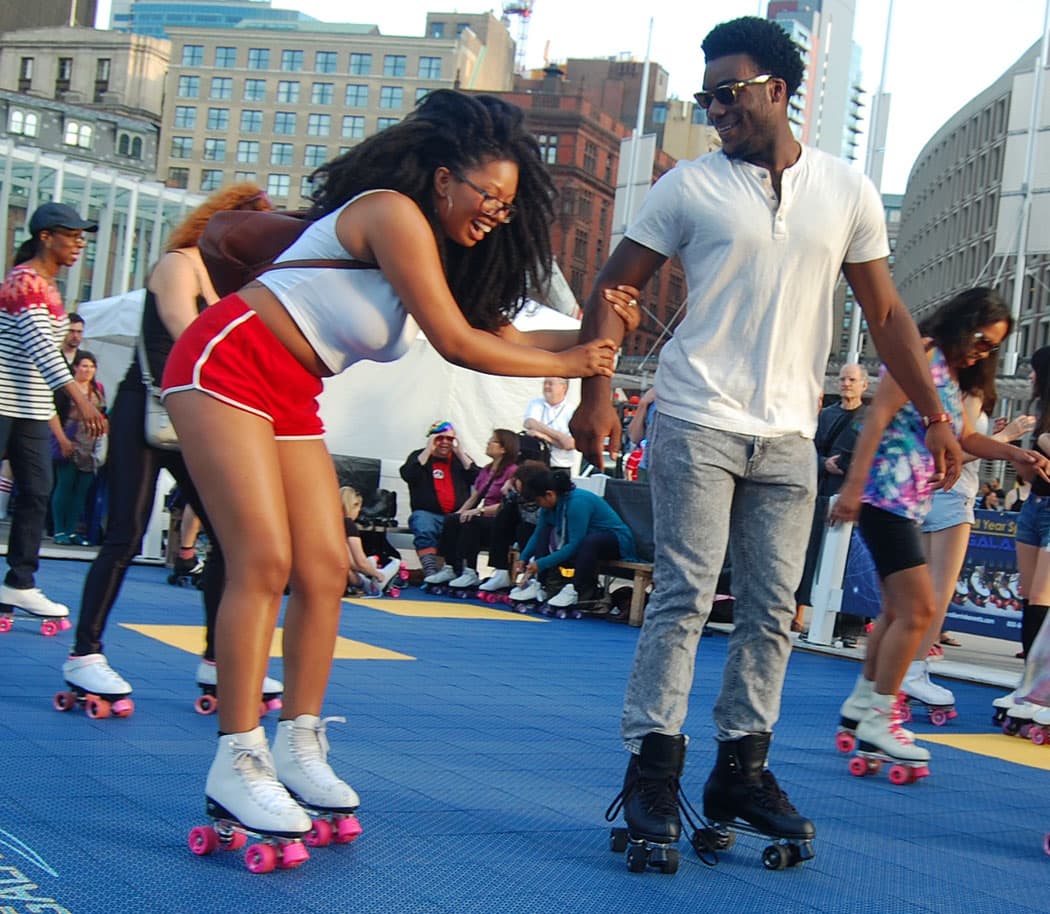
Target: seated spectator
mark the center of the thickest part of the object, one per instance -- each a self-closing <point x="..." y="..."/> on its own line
<point x="439" y="477"/>
<point x="547" y="418"/>
<point x="466" y="531"/>
<point x="638" y="433"/>
<point x="364" y="575"/>
<point x="513" y="524"/>
<point x="576" y="528"/>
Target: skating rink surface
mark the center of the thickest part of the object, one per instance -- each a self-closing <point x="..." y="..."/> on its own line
<point x="484" y="746"/>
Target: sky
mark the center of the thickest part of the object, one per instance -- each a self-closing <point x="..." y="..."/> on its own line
<point x="941" y="53"/>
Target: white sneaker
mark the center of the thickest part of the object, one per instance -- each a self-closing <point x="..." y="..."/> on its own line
<point x="917" y="685"/>
<point x="32" y="601"/>
<point x="567" y="596"/>
<point x="242" y="785"/>
<point x="443" y="576"/>
<point x="300" y="752"/>
<point x="880" y="730"/>
<point x="207" y="676"/>
<point x="92" y="673"/>
<point x="529" y="592"/>
<point x="499" y="581"/>
<point x="468" y="579"/>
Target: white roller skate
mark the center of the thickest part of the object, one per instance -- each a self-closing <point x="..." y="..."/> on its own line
<point x="243" y="797"/>
<point x="1019" y="717"/>
<point x="95" y="686"/>
<point x="852" y="712"/>
<point x="437" y="583"/>
<point x="388" y="572"/>
<point x="469" y="580"/>
<point x="500" y="580"/>
<point x="300" y="752"/>
<point x="208" y="701"/>
<point x="1039" y="733"/>
<point x="528" y="596"/>
<point x="881" y="738"/>
<point x="32" y="602"/>
<point x="939" y="701"/>
<point x="1002" y="704"/>
<point x="563" y="604"/>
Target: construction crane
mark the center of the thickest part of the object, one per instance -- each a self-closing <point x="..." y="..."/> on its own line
<point x="522" y="11"/>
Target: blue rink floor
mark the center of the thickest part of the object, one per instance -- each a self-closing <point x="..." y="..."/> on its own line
<point x="485" y="756"/>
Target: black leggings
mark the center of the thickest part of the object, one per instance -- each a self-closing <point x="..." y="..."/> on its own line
<point x="594" y="547"/>
<point x="461" y="542"/>
<point x="133" y="468"/>
<point x="508" y="528"/>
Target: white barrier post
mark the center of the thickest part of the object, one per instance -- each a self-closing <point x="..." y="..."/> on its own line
<point x="827" y="590"/>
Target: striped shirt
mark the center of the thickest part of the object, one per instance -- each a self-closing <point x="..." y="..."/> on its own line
<point x="33" y="324"/>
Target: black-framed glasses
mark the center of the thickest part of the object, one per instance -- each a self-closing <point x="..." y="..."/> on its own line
<point x="726" y="94"/>
<point x="982" y="344"/>
<point x="490" y="204"/>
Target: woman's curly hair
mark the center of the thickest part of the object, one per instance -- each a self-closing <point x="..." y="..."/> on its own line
<point x="765" y="42"/>
<point x="489" y="281"/>
<point x="243" y="195"/>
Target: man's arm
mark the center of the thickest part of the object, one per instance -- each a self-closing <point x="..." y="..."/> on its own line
<point x="900" y="347"/>
<point x="595" y="418"/>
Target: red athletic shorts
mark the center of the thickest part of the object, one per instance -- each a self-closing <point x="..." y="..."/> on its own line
<point x="230" y="354"/>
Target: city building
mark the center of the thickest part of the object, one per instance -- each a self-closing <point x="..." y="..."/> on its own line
<point x="31" y="14"/>
<point x="155" y="17"/>
<point x="271" y="105"/>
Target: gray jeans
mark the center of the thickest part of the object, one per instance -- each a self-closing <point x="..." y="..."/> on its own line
<point x="710" y="488"/>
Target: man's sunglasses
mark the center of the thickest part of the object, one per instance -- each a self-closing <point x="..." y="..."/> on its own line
<point x="726" y="94"/>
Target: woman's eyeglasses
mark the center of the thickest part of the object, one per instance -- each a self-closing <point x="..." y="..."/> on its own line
<point x="726" y="94"/>
<point x="982" y="344"/>
<point x="490" y="205"/>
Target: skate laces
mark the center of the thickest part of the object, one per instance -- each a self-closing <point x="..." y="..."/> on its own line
<point x="771" y="795"/>
<point x="896" y="719"/>
<point x="310" y="745"/>
<point x="255" y="765"/>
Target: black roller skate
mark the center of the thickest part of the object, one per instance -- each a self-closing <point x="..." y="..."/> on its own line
<point x="741" y="795"/>
<point x="186" y="572"/>
<point x="651" y="800"/>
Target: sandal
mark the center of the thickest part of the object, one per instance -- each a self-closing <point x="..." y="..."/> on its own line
<point x="949" y="641"/>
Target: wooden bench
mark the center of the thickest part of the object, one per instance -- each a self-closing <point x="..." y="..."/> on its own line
<point x="641" y="576"/>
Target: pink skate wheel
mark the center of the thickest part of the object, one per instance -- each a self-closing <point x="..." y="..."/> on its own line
<point x="5" y="624"/>
<point x="858" y="766"/>
<point x="206" y="704"/>
<point x="293" y="854"/>
<point x="49" y="628"/>
<point x="845" y="742"/>
<point x="274" y="704"/>
<point x="203" y="840"/>
<point x="260" y="858"/>
<point x="96" y="708"/>
<point x="123" y="707"/>
<point x="320" y="835"/>
<point x="1046" y="844"/>
<point x="64" y="701"/>
<point x="900" y="774"/>
<point x="395" y="592"/>
<point x="347" y="829"/>
<point x="237" y="840"/>
<point x="64" y="625"/>
<point x="938" y="717"/>
<point x="1039" y="735"/>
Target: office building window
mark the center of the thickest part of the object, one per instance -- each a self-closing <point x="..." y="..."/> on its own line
<point x="25" y="74"/>
<point x="395" y="65"/>
<point x="65" y="69"/>
<point x="246" y="176"/>
<point x="226" y="57"/>
<point x="356" y="96"/>
<point x="590" y="157"/>
<point x="548" y="143"/>
<point x="221" y="87"/>
<point x="185" y="117"/>
<point x="318" y="124"/>
<point x="192" y="55"/>
<point x="314" y="155"/>
<point x="437" y="29"/>
<point x="326" y="61"/>
<point x="306" y="187"/>
<point x="353" y="127"/>
<point x="281" y="153"/>
<point x="247" y="151"/>
<point x="178" y="177"/>
<point x="291" y="61"/>
<point x="182" y="147"/>
<point x="23" y="123"/>
<point x="322" y="93"/>
<point x="258" y="58"/>
<point x="288" y="92"/>
<point x="255" y="90"/>
<point x="284" y="122"/>
<point x="78" y="134"/>
<point x="391" y="97"/>
<point x="430" y="68"/>
<point x="214" y="150"/>
<point x="383" y="122"/>
<point x="218" y="118"/>
<point x="103" y="68"/>
<point x="189" y="87"/>
<point x="360" y="64"/>
<point x="251" y="121"/>
<point x="421" y="93"/>
<point x="278" y="185"/>
<point x="211" y="179"/>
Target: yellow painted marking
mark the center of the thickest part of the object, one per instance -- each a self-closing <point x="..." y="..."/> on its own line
<point x="995" y="745"/>
<point x="190" y="638"/>
<point x="441" y="609"/>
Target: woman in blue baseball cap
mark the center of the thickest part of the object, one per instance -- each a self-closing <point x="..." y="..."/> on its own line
<point x="33" y="323"/>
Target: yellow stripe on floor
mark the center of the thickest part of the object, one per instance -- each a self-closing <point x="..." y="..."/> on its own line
<point x="442" y="609"/>
<point x="995" y="745"/>
<point x="190" y="638"/>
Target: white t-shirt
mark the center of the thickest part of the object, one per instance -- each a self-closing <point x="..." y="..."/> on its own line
<point x="557" y="418"/>
<point x="750" y="354"/>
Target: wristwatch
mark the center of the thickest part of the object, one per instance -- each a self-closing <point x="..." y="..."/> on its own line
<point x="927" y="421"/>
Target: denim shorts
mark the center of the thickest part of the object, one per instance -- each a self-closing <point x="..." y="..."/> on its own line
<point x="948" y="509"/>
<point x="1033" y="523"/>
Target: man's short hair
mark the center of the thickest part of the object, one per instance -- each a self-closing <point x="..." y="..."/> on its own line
<point x="75" y="318"/>
<point x="764" y="42"/>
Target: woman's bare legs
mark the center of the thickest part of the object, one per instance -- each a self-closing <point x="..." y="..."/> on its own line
<point x="945" y="553"/>
<point x="907" y="608"/>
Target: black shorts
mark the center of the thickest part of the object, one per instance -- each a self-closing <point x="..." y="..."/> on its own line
<point x="895" y="542"/>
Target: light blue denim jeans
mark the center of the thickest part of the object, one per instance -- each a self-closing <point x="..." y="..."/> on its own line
<point x="711" y="488"/>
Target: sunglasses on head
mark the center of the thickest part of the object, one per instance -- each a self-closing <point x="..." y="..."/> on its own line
<point x="981" y="343"/>
<point x="726" y="94"/>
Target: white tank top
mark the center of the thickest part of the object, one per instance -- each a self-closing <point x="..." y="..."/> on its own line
<point x="346" y="315"/>
<point x="969" y="476"/>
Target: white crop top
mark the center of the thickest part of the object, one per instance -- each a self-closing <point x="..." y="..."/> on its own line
<point x="346" y="315"/>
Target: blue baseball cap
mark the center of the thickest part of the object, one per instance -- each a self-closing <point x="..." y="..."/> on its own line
<point x="59" y="215"/>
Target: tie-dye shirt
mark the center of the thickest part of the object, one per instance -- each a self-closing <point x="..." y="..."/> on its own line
<point x="899" y="481"/>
